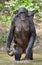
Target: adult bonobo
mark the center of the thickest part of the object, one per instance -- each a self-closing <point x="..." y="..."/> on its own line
<point x="24" y="34"/>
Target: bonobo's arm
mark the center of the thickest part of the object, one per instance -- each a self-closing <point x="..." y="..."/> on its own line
<point x="10" y="36"/>
<point x="33" y="32"/>
<point x="32" y="37"/>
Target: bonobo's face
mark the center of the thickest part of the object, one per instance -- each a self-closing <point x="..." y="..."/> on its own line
<point x="22" y="13"/>
<point x="22" y="16"/>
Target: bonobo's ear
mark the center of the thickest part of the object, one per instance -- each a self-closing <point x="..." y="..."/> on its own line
<point x="30" y="13"/>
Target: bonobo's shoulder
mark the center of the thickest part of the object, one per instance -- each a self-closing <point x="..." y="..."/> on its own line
<point x="30" y="13"/>
<point x="15" y="17"/>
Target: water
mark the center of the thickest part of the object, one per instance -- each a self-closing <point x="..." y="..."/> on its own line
<point x="25" y="62"/>
<point x="5" y="59"/>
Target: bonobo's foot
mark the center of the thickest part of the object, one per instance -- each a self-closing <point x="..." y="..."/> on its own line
<point x="17" y="53"/>
<point x="28" y="58"/>
<point x="29" y="55"/>
<point x="17" y="56"/>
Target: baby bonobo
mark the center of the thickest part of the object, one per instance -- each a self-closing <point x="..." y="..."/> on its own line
<point x="23" y="31"/>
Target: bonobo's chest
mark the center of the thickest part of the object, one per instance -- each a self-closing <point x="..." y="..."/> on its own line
<point x="21" y="25"/>
<point x="22" y="32"/>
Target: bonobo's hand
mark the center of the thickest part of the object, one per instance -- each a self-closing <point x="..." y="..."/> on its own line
<point x="28" y="53"/>
<point x="9" y="52"/>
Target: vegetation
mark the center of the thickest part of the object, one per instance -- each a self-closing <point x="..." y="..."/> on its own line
<point x="13" y="5"/>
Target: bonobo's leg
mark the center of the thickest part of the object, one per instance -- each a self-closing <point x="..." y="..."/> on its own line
<point x="30" y="55"/>
<point x="17" y="53"/>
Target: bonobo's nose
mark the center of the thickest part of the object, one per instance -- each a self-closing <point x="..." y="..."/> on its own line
<point x="22" y="17"/>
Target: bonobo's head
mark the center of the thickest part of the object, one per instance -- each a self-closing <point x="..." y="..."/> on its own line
<point x="23" y="13"/>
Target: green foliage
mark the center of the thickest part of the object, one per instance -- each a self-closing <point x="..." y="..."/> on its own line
<point x="1" y="6"/>
<point x="3" y="36"/>
<point x="14" y="5"/>
<point x="6" y="20"/>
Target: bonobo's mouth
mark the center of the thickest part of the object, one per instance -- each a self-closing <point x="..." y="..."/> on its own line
<point x="22" y="17"/>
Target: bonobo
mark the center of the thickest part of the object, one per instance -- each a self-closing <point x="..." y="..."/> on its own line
<point x="23" y="32"/>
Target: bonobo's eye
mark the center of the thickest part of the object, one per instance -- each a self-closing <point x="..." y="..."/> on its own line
<point x="22" y="16"/>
